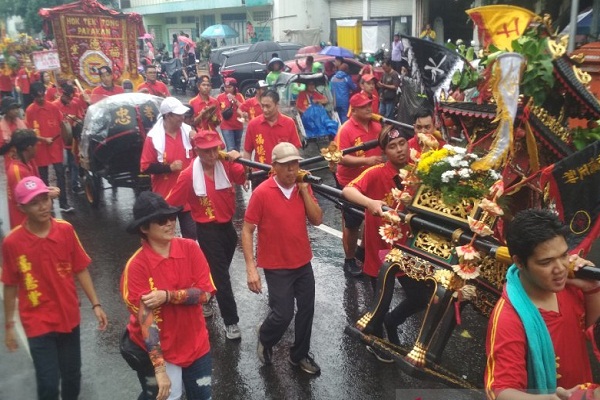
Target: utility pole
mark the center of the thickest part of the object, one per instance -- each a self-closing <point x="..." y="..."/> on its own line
<point x="573" y="25"/>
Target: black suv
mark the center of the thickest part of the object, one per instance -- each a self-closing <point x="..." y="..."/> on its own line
<point x="216" y="60"/>
<point x="249" y="65"/>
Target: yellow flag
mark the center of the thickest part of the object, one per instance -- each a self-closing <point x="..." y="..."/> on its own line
<point x="501" y="24"/>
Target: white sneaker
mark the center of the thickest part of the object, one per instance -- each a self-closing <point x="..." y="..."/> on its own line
<point x="233" y="332"/>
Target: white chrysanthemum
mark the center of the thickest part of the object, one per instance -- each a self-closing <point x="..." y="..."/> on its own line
<point x="446" y="176"/>
<point x="464" y="173"/>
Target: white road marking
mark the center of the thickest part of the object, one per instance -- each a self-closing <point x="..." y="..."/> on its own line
<point x="330" y="230"/>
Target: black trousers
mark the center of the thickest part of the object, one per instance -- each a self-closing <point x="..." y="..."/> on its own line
<point x="285" y="286"/>
<point x="218" y="242"/>
<point x="59" y="170"/>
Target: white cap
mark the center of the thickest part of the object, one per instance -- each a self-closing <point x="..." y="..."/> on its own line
<point x="172" y="105"/>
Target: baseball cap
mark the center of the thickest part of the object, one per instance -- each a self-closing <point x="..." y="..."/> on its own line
<point x="367" y="77"/>
<point x="285" y="152"/>
<point x="28" y="188"/>
<point x="230" y="82"/>
<point x="172" y="105"/>
<point x="207" y="140"/>
<point x="360" y="100"/>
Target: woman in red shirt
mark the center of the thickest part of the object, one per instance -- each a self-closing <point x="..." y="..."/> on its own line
<point x="164" y="285"/>
<point x="231" y="127"/>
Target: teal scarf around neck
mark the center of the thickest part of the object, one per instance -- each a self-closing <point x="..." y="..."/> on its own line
<point x="541" y="360"/>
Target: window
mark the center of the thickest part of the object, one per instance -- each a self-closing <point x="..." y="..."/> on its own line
<point x="188" y="19"/>
<point x="125" y="3"/>
<point x="171" y="20"/>
<point x="261" y="16"/>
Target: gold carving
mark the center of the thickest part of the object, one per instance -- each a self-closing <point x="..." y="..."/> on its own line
<point x="493" y="271"/>
<point x="414" y="267"/>
<point x="582" y="76"/>
<point x="417" y="355"/>
<point x="558" y="47"/>
<point x="430" y="200"/>
<point x="435" y="244"/>
<point x="551" y="123"/>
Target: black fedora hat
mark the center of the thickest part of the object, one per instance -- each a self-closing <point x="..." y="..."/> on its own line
<point x="8" y="103"/>
<point x="148" y="207"/>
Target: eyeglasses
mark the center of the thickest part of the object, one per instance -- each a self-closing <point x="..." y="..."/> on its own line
<point x="162" y="221"/>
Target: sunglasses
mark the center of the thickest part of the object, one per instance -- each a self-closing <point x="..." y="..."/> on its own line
<point x="162" y="221"/>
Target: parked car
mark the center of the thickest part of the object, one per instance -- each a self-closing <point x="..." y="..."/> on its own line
<point x="248" y="66"/>
<point x="216" y="60"/>
<point x="354" y="66"/>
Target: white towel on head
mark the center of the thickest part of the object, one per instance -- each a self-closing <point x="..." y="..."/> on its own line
<point x="221" y="179"/>
<point x="157" y="133"/>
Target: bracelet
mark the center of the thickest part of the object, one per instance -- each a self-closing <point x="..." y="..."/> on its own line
<point x="9" y="324"/>
<point x="591" y="291"/>
<point x="96" y="305"/>
<point x="167" y="298"/>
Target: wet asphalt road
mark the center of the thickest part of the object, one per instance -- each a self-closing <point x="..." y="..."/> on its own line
<point x="348" y="370"/>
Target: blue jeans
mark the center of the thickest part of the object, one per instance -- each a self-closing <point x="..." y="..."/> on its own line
<point x="233" y="139"/>
<point x="57" y="359"/>
<point x="387" y="109"/>
<point x="342" y="113"/>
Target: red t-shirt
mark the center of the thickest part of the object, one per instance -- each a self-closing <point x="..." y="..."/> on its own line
<point x="174" y="150"/>
<point x="232" y="124"/>
<point x="182" y="328"/>
<point x="281" y="222"/>
<point x="252" y="107"/>
<point x="217" y="205"/>
<point x="102" y="92"/>
<point x="156" y="88"/>
<point x="305" y="99"/>
<point x="506" y="343"/>
<point x="25" y="78"/>
<point x="44" y="269"/>
<point x="353" y="134"/>
<point x="6" y="81"/>
<point x="74" y="108"/>
<point x="46" y="121"/>
<point x="6" y="130"/>
<point x="376" y="182"/>
<point x="15" y="171"/>
<point x="52" y="93"/>
<point x="262" y="137"/>
<point x="198" y="104"/>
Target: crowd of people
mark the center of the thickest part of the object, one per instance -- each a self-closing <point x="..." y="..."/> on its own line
<point x="537" y="332"/>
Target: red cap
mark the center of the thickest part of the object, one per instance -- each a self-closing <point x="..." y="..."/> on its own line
<point x="368" y="77"/>
<point x="360" y="100"/>
<point x="207" y="140"/>
<point x="230" y="82"/>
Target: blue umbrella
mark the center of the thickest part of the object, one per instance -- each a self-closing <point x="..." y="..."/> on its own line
<point x="219" y="31"/>
<point x="336" y="51"/>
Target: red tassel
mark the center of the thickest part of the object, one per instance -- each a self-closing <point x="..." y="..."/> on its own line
<point x="457" y="312"/>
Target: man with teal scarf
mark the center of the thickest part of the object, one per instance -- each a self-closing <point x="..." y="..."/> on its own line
<point x="536" y="335"/>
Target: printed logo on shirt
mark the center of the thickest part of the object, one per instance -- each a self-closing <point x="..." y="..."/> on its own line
<point x="29" y="282"/>
<point x="64" y="269"/>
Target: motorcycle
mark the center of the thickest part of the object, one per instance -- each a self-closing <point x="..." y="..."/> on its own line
<point x="375" y="58"/>
<point x="192" y="76"/>
<point x="175" y="73"/>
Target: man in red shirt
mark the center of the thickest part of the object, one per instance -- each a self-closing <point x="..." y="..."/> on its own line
<point x="167" y="151"/>
<point x="251" y="109"/>
<point x="279" y="209"/>
<point x="264" y="132"/>
<point x="357" y="130"/>
<point x="372" y="190"/>
<point x="152" y="85"/>
<point x="536" y="333"/>
<point x="207" y="185"/>
<point x="426" y="137"/>
<point x="7" y="83"/>
<point x="47" y="121"/>
<point x="25" y="78"/>
<point x="10" y="122"/>
<point x="207" y="114"/>
<point x="308" y="97"/>
<point x="41" y="258"/>
<point x="368" y="84"/>
<point x="73" y="110"/>
<point x="165" y="285"/>
<point x="107" y="86"/>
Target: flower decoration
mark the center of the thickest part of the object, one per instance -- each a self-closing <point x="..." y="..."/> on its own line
<point x="479" y="227"/>
<point x="390" y="233"/>
<point x="467" y="270"/>
<point x="491" y="208"/>
<point x="448" y="170"/>
<point x="332" y="153"/>
<point x="391" y="216"/>
<point x="467" y="253"/>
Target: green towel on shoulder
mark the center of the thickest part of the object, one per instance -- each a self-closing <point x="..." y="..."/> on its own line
<point x="541" y="360"/>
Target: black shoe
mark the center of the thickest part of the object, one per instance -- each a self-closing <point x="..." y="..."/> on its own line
<point x="351" y="268"/>
<point x="264" y="353"/>
<point x="380" y="355"/>
<point x="78" y="190"/>
<point x="360" y="254"/>
<point x="391" y="329"/>
<point x="307" y="364"/>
